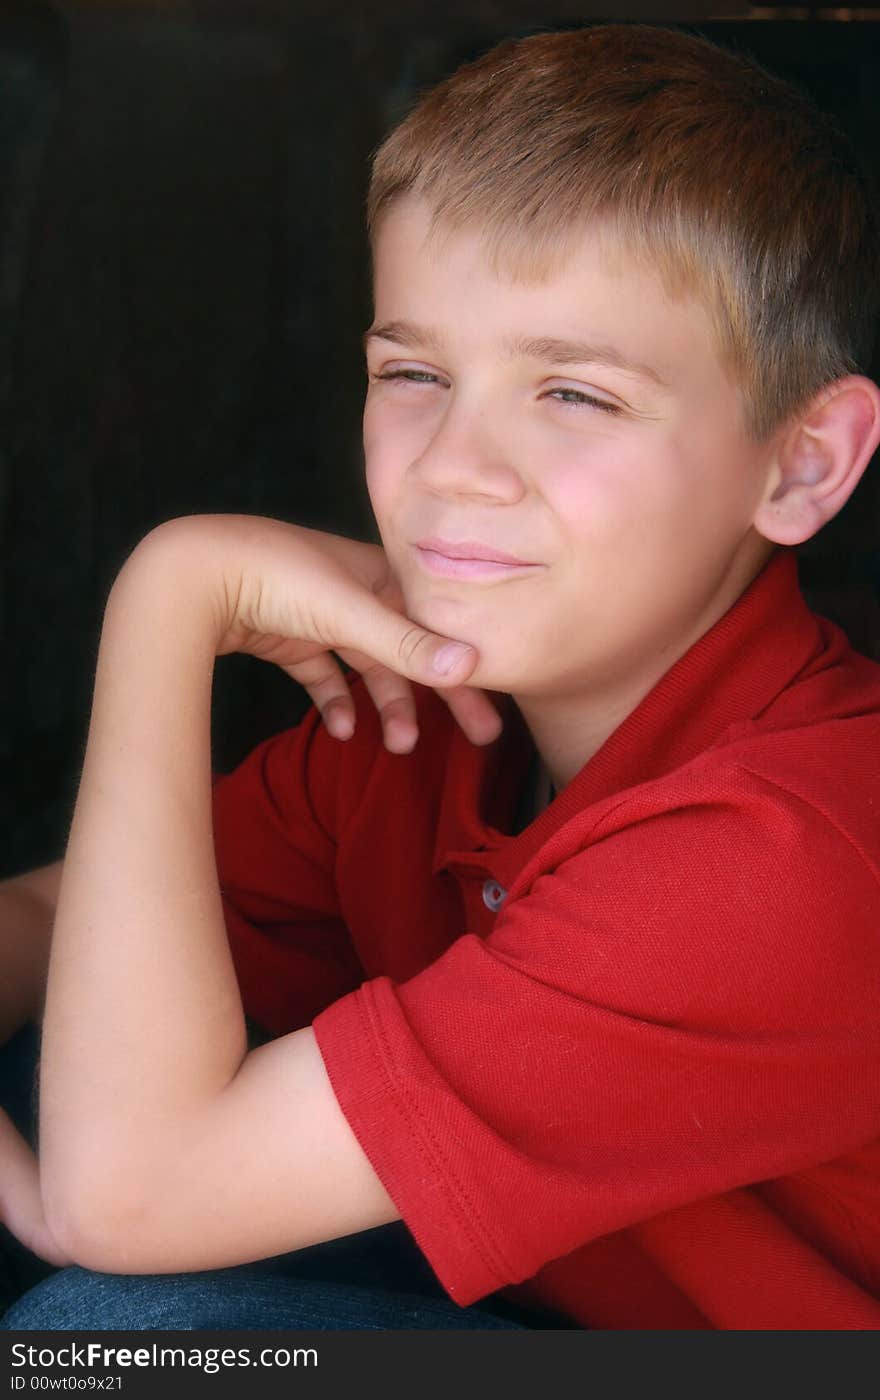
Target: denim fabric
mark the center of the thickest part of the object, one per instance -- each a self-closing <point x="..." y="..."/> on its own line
<point x="375" y="1280"/>
<point x="76" y="1299"/>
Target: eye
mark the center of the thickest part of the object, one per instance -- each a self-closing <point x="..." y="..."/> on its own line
<point x="410" y="376"/>
<point x="577" y="398"/>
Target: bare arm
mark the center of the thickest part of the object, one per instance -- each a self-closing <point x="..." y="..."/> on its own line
<point x="165" y="1143"/>
<point x="27" y="913"/>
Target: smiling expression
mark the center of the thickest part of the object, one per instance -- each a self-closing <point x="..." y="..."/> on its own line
<point x="558" y="468"/>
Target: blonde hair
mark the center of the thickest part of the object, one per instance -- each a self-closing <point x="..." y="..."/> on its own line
<point x="692" y="158"/>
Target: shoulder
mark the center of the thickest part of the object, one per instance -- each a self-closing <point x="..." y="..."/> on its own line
<point x="732" y="846"/>
<point x="714" y="898"/>
<point x="779" y="804"/>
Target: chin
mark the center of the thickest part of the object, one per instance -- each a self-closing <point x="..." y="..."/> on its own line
<point x="452" y="617"/>
<point x="455" y="618"/>
<point x="446" y="618"/>
<point x="462" y="620"/>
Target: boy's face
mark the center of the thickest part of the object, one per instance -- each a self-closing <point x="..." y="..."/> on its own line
<point x="582" y="425"/>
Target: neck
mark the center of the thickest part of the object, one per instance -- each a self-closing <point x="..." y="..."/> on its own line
<point x="567" y="731"/>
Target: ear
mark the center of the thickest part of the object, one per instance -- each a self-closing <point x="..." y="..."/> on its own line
<point x="820" y="460"/>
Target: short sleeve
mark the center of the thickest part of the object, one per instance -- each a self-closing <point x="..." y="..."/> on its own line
<point x="682" y="1007"/>
<point x="275" y="848"/>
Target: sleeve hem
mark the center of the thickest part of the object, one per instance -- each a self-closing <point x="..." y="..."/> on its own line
<point x="406" y="1156"/>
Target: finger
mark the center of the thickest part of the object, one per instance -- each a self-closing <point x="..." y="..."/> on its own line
<point x="323" y="680"/>
<point x="393" y="698"/>
<point x="474" y="713"/>
<point x="471" y="707"/>
<point x="398" y="643"/>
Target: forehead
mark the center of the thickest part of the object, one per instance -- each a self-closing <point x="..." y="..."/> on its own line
<point x="459" y="286"/>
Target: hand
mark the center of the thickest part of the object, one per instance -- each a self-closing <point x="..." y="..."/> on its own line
<point x="294" y="596"/>
<point x="21" y="1206"/>
<point x="392" y="694"/>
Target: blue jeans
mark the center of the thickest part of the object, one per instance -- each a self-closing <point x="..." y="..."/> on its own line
<point x="376" y="1280"/>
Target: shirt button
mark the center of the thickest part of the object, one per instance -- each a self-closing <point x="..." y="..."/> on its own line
<point x="494" y="895"/>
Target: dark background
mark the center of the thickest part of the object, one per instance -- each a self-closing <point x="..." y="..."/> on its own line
<point x="183" y="286"/>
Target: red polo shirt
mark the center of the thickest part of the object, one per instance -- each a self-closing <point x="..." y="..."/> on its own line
<point x="626" y="1062"/>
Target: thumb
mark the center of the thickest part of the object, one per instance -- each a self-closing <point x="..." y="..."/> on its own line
<point x="432" y="659"/>
<point x="408" y="648"/>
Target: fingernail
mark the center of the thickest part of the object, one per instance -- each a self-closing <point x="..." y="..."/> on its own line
<point x="448" y="657"/>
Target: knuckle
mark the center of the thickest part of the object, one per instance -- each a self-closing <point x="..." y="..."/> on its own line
<point x="409" y="644"/>
<point x="372" y="670"/>
<point x="395" y="707"/>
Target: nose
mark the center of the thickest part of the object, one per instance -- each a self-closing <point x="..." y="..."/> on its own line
<point x="467" y="456"/>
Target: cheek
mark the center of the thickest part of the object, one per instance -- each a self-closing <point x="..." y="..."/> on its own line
<point x="381" y="469"/>
<point x="577" y="490"/>
<point x="391" y="444"/>
<point x="607" y="492"/>
<point x="377" y="479"/>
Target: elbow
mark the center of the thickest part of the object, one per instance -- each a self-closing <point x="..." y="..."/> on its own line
<point x="95" y="1223"/>
<point x="99" y="1246"/>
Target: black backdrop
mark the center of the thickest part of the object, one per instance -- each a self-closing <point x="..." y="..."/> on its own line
<point x="183" y="284"/>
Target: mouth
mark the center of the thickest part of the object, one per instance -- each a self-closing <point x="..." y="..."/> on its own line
<point x="468" y="559"/>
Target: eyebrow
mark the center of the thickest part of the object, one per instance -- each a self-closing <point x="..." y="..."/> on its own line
<point x="550" y="349"/>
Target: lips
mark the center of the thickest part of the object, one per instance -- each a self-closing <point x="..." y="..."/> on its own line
<point x="470" y="549"/>
<point x="470" y="561"/>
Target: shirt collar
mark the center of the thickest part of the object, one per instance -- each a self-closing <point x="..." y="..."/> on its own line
<point x="729" y="676"/>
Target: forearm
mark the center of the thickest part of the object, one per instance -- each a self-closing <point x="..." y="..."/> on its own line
<point x="143" y="1020"/>
<point x="147" y="1089"/>
<point x="26" y="919"/>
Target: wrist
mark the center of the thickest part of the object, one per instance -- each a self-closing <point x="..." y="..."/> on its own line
<point x="175" y="577"/>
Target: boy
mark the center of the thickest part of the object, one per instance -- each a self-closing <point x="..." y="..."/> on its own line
<point x="609" y="1048"/>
